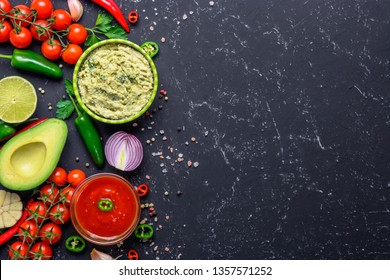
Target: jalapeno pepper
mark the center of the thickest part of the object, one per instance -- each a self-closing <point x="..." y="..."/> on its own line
<point x="75" y="244"/>
<point x="6" y="131"/>
<point x="132" y="255"/>
<point x="89" y="134"/>
<point x="144" y="231"/>
<point x="27" y="60"/>
<point x="142" y="190"/>
<point x="105" y="205"/>
<point x="151" y="48"/>
<point x="132" y="17"/>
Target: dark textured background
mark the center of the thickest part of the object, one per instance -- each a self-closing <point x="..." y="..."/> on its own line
<point x="289" y="104"/>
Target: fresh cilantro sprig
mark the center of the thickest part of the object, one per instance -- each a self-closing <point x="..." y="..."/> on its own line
<point x="65" y="107"/>
<point x="104" y="27"/>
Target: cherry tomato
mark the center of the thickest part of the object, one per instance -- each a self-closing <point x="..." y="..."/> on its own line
<point x="38" y="32"/>
<point x="44" y="8"/>
<point x="59" y="214"/>
<point x="28" y="231"/>
<point x="38" y="211"/>
<point x="18" y="250"/>
<point x="77" y="34"/>
<point x="58" y="176"/>
<point x="41" y="251"/>
<point x="50" y="233"/>
<point x="5" y="30"/>
<point x="72" y="53"/>
<point x="50" y="194"/>
<point x="51" y="49"/>
<point x="67" y="194"/>
<point x="142" y="190"/>
<point x="75" y="177"/>
<point x="6" y="6"/>
<point x="24" y="15"/>
<point x="62" y="19"/>
<point x="132" y="255"/>
<point x="20" y="38"/>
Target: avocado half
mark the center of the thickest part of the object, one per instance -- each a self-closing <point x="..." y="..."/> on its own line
<point x="28" y="159"/>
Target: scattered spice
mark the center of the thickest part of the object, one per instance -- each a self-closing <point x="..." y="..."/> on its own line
<point x="189" y="163"/>
<point x="166" y="193"/>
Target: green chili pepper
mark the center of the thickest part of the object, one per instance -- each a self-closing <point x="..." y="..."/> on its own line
<point x="89" y="134"/>
<point x="144" y="231"/>
<point x="33" y="62"/>
<point x="105" y="205"/>
<point x="75" y="244"/>
<point x="6" y="131"/>
<point x="151" y="48"/>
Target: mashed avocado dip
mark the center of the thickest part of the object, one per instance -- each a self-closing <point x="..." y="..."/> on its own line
<point x="115" y="81"/>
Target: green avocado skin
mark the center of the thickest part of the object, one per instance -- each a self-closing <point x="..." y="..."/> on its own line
<point x="28" y="159"/>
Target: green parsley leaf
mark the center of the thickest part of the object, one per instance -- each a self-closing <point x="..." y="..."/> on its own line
<point x="91" y="40"/>
<point x="69" y="87"/>
<point x="103" y="22"/>
<point x="116" y="32"/>
<point x="65" y="108"/>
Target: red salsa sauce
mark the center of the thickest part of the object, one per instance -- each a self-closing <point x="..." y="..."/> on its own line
<point x="119" y="219"/>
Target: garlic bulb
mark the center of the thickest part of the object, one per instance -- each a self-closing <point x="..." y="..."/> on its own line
<point x="76" y="10"/>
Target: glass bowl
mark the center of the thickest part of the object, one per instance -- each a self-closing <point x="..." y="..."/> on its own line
<point x="125" y="75"/>
<point x="105" y="209"/>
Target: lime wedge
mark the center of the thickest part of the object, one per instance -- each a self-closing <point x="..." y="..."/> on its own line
<point x="18" y="99"/>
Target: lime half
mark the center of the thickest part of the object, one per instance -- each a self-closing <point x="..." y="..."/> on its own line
<point x="18" y="99"/>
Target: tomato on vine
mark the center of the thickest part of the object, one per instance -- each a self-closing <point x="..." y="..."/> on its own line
<point x="62" y="19"/>
<point x="51" y="49"/>
<point x="6" y="6"/>
<point x="75" y="177"/>
<point x="58" y="176"/>
<point x="43" y="8"/>
<point x="50" y="233"/>
<point x="20" y="37"/>
<point x="41" y="251"/>
<point x="28" y="230"/>
<point x="18" y="250"/>
<point x="72" y="54"/>
<point x="67" y="194"/>
<point x="49" y="194"/>
<point x="59" y="214"/>
<point x="77" y="33"/>
<point x="24" y="15"/>
<point x="37" y="211"/>
<point x="41" y="30"/>
<point x="5" y="30"/>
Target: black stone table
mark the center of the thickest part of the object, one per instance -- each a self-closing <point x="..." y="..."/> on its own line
<point x="288" y="106"/>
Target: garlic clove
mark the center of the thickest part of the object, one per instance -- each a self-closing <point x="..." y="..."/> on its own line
<point x="76" y="9"/>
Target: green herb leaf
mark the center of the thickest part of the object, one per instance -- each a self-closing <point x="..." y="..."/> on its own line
<point x="116" y="32"/>
<point x="69" y="87"/>
<point x="103" y="22"/>
<point x="91" y="40"/>
<point x="65" y="108"/>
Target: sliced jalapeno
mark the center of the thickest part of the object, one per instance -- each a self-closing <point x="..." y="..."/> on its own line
<point x="144" y="231"/>
<point x="151" y="48"/>
<point x="105" y="205"/>
<point x="75" y="244"/>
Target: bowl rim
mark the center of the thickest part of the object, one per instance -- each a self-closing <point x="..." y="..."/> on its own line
<point x="81" y="60"/>
<point x="102" y="241"/>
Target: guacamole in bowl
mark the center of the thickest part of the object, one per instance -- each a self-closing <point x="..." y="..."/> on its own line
<point x="115" y="81"/>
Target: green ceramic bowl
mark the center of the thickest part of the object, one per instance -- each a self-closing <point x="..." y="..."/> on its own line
<point x="102" y="118"/>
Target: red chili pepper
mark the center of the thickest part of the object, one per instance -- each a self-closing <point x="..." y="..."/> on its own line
<point x="113" y="8"/>
<point x="142" y="190"/>
<point x="7" y="235"/>
<point x="132" y="17"/>
<point x="132" y="255"/>
<point x="31" y="125"/>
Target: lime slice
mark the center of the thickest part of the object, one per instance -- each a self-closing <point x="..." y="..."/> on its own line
<point x="18" y="99"/>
